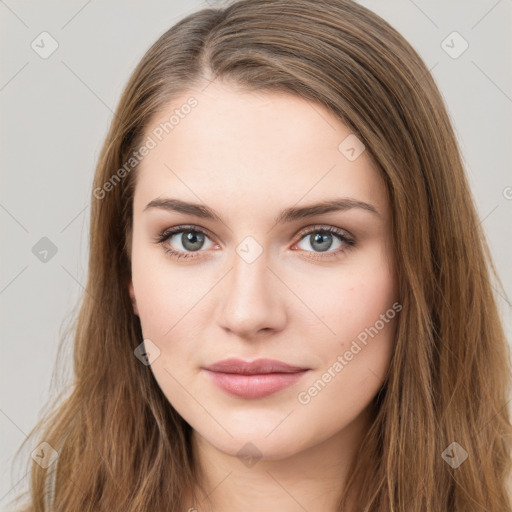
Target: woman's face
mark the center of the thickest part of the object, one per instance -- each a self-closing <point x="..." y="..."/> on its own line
<point x="260" y="277"/>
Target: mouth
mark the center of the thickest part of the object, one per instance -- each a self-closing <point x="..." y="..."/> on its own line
<point x="255" y="379"/>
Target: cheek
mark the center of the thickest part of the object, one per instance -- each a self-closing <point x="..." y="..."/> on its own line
<point x="351" y="298"/>
<point x="355" y="359"/>
<point x="359" y="309"/>
<point x="165" y="294"/>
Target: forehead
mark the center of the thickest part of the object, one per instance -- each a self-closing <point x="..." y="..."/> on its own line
<point x="252" y="148"/>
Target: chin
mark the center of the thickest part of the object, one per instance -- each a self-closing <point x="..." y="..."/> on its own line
<point x="258" y="444"/>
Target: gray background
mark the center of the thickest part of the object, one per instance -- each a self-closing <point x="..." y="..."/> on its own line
<point x="55" y="113"/>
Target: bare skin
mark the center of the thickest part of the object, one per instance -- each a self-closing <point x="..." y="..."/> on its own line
<point x="248" y="156"/>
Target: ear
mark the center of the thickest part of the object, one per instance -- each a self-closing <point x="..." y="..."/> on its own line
<point x="132" y="296"/>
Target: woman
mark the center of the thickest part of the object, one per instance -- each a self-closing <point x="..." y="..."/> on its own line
<point x="289" y="297"/>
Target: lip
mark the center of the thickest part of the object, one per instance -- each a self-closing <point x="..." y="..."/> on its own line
<point x="253" y="379"/>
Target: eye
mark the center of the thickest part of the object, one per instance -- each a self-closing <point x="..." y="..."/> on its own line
<point x="183" y="241"/>
<point x="320" y="238"/>
<point x="188" y="239"/>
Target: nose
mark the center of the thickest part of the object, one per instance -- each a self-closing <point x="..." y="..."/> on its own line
<point x="252" y="299"/>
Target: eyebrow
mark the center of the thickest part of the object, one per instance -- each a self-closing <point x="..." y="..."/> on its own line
<point x="287" y="215"/>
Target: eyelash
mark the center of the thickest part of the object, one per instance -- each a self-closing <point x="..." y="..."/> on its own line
<point x="167" y="233"/>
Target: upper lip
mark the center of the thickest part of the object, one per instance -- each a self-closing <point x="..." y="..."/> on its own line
<point x="258" y="366"/>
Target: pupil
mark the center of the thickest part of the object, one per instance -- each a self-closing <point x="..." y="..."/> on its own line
<point x="192" y="240"/>
<point x="321" y="239"/>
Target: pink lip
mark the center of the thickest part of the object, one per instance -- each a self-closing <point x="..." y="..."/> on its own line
<point x="254" y="379"/>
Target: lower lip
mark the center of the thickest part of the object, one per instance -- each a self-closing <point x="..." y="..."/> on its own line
<point x="254" y="386"/>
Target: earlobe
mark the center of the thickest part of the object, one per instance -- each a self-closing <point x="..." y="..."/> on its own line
<point x="132" y="297"/>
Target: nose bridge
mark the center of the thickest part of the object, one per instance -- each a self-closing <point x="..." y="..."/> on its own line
<point x="250" y="301"/>
<point x="250" y="272"/>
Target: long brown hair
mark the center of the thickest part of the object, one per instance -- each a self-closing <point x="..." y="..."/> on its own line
<point x="122" y="446"/>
